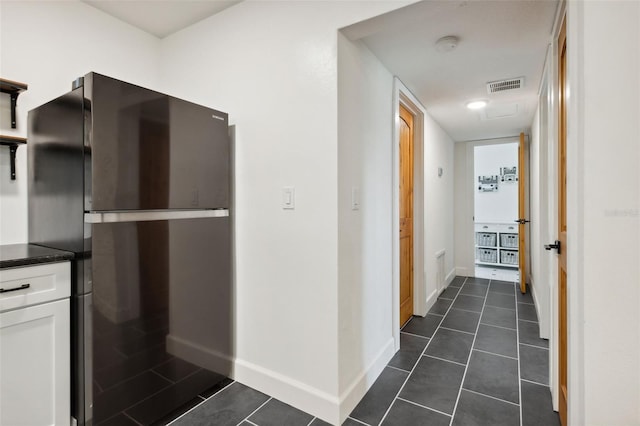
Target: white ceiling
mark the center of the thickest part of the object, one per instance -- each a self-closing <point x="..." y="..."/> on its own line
<point x="161" y="17"/>
<point x="498" y="40"/>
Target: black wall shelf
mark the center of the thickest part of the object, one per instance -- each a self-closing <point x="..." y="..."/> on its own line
<point x="13" y="143"/>
<point x="13" y="88"/>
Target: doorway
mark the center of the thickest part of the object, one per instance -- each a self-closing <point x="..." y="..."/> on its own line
<point x="406" y="165"/>
<point x="423" y="290"/>
<point x="562" y="226"/>
<point x="496" y="238"/>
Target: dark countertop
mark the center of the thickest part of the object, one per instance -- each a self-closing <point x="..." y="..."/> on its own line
<point x="13" y="255"/>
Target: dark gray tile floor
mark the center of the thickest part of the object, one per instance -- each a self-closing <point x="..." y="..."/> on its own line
<point x="482" y="364"/>
<point x="474" y="360"/>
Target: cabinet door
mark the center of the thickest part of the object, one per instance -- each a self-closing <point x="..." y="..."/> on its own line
<point x="34" y="365"/>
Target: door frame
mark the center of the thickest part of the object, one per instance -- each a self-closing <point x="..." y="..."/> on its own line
<point x="552" y="200"/>
<point x="572" y="12"/>
<point x="402" y="95"/>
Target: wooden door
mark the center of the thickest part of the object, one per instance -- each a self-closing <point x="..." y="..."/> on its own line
<point x="406" y="215"/>
<point x="562" y="224"/>
<point x="522" y="213"/>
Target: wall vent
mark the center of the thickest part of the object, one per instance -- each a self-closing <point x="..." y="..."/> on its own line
<point x="503" y="85"/>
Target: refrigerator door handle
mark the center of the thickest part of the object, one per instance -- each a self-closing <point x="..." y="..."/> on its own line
<point x="147" y="215"/>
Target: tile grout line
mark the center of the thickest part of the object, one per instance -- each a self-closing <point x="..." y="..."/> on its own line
<point x="493" y="353"/>
<point x="200" y="403"/>
<point x="396" y="368"/>
<point x="358" y="421"/>
<point x="497" y="326"/>
<point x="518" y="352"/>
<point x="465" y="310"/>
<point x="442" y="359"/>
<point x="250" y="422"/>
<point x="414" y="335"/>
<point x="500" y="307"/>
<point x="489" y="396"/>
<point x="254" y="411"/>
<point x="466" y="368"/>
<point x="535" y="383"/>
<point x="471" y="295"/>
<point x="459" y="331"/>
<point x="424" y="406"/>
<point x="534" y="346"/>
<point x="386" y="413"/>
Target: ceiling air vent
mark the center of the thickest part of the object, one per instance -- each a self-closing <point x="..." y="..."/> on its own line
<point x="504" y="85"/>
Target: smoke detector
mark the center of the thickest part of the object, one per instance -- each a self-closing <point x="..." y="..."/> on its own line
<point x="447" y="43"/>
<point x="504" y="85"/>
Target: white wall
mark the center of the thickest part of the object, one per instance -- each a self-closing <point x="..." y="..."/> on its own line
<point x="47" y="45"/>
<point x="365" y="236"/>
<point x="500" y="206"/>
<point x="438" y="204"/>
<point x="463" y="210"/>
<point x="365" y="138"/>
<point x="542" y="199"/>
<point x="603" y="184"/>
<point x="273" y="67"/>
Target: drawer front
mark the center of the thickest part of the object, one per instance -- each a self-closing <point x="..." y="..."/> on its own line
<point x="35" y="284"/>
<point x="508" y="228"/>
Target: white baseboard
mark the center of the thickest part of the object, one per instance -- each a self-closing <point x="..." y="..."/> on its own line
<point x="359" y="387"/>
<point x="300" y="395"/>
<point x="463" y="272"/>
<point x="451" y="275"/>
<point x="544" y="332"/>
<point x="309" y="399"/>
<point x="199" y="355"/>
<point x="431" y="299"/>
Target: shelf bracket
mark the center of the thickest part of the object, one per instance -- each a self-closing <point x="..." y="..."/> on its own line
<point x="14" y="103"/>
<point x="13" y="143"/>
<point x="12" y="159"/>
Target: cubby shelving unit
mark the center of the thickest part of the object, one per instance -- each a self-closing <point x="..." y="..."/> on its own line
<point x="496" y="244"/>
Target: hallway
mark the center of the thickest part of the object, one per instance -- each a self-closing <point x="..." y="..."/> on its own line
<point x="436" y="375"/>
<point x="475" y="357"/>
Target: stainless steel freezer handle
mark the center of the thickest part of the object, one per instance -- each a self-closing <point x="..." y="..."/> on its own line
<point x="147" y="215"/>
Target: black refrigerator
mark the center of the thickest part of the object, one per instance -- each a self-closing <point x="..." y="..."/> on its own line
<point x="137" y="185"/>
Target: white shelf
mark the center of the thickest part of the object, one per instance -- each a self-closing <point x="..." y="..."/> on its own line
<point x="503" y="265"/>
<point x="498" y="229"/>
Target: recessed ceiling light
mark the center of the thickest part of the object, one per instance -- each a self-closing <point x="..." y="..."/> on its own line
<point x="476" y="104"/>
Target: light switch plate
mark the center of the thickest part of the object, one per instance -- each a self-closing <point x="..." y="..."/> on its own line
<point x="355" y="198"/>
<point x="288" y="198"/>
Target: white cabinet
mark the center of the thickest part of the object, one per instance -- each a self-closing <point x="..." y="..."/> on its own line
<point x="35" y="345"/>
<point x="496" y="244"/>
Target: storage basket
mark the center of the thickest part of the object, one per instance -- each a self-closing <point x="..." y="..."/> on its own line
<point x="487" y="255"/>
<point x="509" y="257"/>
<point x="487" y="239"/>
<point x="509" y="240"/>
